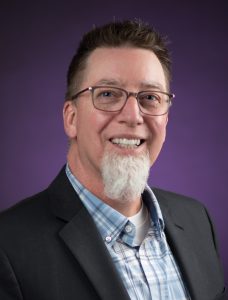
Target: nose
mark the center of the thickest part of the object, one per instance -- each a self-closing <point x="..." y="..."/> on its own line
<point x="130" y="113"/>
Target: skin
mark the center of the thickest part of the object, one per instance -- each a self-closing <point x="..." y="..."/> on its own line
<point x="90" y="130"/>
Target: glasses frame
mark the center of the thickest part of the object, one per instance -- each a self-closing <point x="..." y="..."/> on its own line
<point x="128" y="94"/>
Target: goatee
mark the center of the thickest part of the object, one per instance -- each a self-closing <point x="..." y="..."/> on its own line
<point x="124" y="176"/>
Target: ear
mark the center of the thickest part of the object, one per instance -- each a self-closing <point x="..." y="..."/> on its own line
<point x="70" y="119"/>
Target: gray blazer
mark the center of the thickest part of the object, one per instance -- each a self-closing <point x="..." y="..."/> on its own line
<point x="50" y="249"/>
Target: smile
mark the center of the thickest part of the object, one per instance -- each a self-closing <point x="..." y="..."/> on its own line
<point x="127" y="143"/>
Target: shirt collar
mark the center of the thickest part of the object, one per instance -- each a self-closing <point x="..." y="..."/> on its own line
<point x="153" y="207"/>
<point x="110" y="223"/>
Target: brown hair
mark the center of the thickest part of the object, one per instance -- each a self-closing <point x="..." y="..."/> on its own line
<point x="133" y="33"/>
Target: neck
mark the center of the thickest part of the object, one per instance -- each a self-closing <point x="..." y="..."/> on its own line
<point x="128" y="208"/>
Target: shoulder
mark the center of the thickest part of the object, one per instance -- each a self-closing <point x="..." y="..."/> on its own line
<point x="24" y="204"/>
<point x="32" y="210"/>
<point x="189" y="212"/>
<point x="34" y="203"/>
<point x="183" y="209"/>
<point x="29" y="222"/>
<point x="40" y="216"/>
<point x="176" y="201"/>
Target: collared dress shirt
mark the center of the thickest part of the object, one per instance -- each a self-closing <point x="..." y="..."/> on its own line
<point x="148" y="270"/>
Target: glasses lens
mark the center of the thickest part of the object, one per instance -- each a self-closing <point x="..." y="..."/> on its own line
<point x="154" y="103"/>
<point x="108" y="98"/>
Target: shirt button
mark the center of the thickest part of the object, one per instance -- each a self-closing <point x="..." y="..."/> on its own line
<point x="108" y="239"/>
<point x="128" y="228"/>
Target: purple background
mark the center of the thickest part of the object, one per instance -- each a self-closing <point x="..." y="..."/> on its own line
<point x="37" y="42"/>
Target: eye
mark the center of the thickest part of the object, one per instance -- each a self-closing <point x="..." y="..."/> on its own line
<point x="108" y="93"/>
<point x="149" y="96"/>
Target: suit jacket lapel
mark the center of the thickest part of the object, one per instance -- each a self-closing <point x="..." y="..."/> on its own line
<point x="183" y="250"/>
<point x="81" y="236"/>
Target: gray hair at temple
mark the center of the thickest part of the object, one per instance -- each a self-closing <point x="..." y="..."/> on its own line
<point x="131" y="33"/>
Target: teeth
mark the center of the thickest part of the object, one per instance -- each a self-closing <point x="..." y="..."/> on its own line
<point x="127" y="143"/>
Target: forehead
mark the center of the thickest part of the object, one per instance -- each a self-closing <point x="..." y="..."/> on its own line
<point x="124" y="66"/>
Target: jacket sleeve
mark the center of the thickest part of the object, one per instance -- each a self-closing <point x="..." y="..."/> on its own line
<point x="9" y="286"/>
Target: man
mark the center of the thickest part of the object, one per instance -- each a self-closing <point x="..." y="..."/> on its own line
<point x="98" y="231"/>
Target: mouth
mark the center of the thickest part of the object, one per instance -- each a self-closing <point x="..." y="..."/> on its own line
<point x="127" y="143"/>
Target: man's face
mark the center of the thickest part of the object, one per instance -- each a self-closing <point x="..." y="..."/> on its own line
<point x="133" y="69"/>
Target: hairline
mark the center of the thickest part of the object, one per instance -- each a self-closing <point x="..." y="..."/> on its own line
<point x="84" y="64"/>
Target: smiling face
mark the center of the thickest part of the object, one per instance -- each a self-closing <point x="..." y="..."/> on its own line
<point x="128" y="132"/>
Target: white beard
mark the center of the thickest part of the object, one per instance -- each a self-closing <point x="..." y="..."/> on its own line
<point x="124" y="177"/>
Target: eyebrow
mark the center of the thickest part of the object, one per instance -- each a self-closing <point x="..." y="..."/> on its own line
<point x="110" y="81"/>
<point x="119" y="83"/>
<point x="151" y="85"/>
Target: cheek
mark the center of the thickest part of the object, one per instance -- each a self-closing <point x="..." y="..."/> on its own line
<point x="162" y="129"/>
<point x="157" y="127"/>
<point x="92" y="124"/>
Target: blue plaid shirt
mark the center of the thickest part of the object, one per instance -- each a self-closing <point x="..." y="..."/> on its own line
<point x="149" y="270"/>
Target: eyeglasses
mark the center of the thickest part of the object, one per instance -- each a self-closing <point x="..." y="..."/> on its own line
<point x="113" y="99"/>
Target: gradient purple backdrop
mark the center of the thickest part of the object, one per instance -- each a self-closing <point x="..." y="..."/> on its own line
<point x="36" y="45"/>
